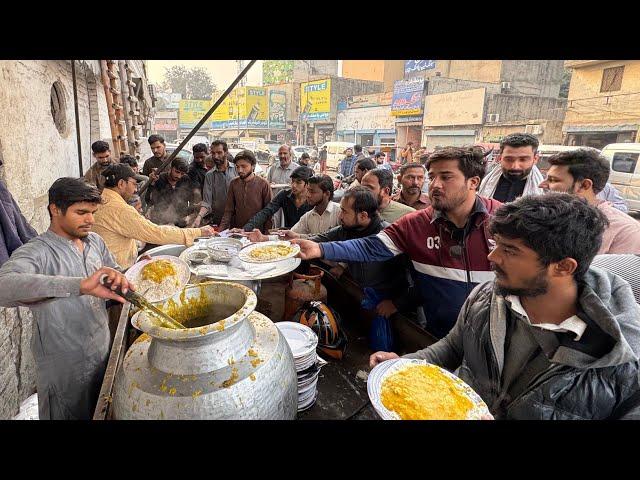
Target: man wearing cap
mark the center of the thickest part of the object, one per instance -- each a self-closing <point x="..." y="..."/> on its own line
<point x="120" y="224"/>
<point x="173" y="197"/>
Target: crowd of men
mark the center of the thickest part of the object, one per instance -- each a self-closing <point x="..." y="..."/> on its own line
<point x="497" y="258"/>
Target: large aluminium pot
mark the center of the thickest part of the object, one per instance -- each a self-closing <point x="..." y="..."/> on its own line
<point x="238" y="367"/>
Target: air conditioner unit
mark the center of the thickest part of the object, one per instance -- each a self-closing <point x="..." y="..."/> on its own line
<point x="533" y="129"/>
<point x="505" y="87"/>
<point x="494" y="117"/>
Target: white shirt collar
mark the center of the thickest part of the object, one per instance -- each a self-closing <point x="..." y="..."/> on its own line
<point x="572" y="324"/>
<point x="331" y="206"/>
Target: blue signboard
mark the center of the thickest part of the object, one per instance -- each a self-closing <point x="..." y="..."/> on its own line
<point x="407" y="97"/>
<point x="412" y="66"/>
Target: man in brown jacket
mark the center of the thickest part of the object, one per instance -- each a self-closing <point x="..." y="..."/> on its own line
<point x="102" y="154"/>
<point x="247" y="194"/>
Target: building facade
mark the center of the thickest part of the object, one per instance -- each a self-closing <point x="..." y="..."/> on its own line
<point x="385" y="71"/>
<point x="367" y="120"/>
<point x="604" y="103"/>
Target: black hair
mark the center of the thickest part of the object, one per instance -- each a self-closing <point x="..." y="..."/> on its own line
<point x="385" y="178"/>
<point x="199" y="148"/>
<point x="379" y="154"/>
<point x="116" y="172"/>
<point x="302" y="173"/>
<point x="585" y="163"/>
<point x="155" y="138"/>
<point x="555" y="226"/>
<point x="66" y="191"/>
<point x="100" y="146"/>
<point x="363" y="201"/>
<point x="407" y="166"/>
<point x="471" y="160"/>
<point x="215" y="143"/>
<point x="129" y="160"/>
<point x="519" y="140"/>
<point x="357" y="148"/>
<point x="365" y="164"/>
<point x="325" y="182"/>
<point x="245" y="155"/>
<point x="305" y="155"/>
<point x="180" y="164"/>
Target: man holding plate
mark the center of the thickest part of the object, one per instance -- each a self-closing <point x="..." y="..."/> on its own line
<point x="551" y="337"/>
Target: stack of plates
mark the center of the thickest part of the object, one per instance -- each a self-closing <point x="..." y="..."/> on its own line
<point x="303" y="342"/>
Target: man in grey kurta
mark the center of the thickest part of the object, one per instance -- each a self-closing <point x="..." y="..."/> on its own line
<point x="70" y="341"/>
<point x="216" y="185"/>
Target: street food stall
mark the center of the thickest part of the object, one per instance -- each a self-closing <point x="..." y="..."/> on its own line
<point x="341" y="384"/>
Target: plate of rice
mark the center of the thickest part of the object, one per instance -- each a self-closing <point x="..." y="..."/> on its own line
<point x="266" y="252"/>
<point x="159" y="278"/>
<point x="410" y="389"/>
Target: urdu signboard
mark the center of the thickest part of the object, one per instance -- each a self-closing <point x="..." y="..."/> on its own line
<point x="407" y="97"/>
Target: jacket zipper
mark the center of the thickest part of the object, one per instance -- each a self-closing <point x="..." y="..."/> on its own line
<point x="538" y="380"/>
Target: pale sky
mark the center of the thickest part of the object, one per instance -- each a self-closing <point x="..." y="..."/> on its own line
<point x="222" y="71"/>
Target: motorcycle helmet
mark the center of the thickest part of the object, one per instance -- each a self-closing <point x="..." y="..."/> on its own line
<point x="326" y="324"/>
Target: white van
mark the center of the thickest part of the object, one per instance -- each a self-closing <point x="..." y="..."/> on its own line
<point x="625" y="171"/>
<point x="335" y="152"/>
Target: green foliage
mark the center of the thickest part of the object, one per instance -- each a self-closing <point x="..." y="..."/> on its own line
<point x="193" y="83"/>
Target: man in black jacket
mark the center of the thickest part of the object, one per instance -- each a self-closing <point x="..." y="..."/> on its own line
<point x="359" y="218"/>
<point x="292" y="201"/>
<point x="550" y="338"/>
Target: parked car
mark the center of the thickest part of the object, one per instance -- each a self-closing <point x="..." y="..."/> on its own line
<point x="625" y="171"/>
<point x="300" y="149"/>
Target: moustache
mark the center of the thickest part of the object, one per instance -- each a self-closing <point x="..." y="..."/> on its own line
<point x="497" y="269"/>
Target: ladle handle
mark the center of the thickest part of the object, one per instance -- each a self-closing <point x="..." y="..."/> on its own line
<point x="130" y="296"/>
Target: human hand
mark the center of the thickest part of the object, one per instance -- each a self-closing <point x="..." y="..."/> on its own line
<point x="236" y="230"/>
<point x="288" y="234"/>
<point x="145" y="257"/>
<point x="256" y="236"/>
<point x="153" y="176"/>
<point x="308" y="249"/>
<point x="208" y="231"/>
<point x="386" y="308"/>
<point x="197" y="221"/>
<point x="92" y="285"/>
<point x="380" y="357"/>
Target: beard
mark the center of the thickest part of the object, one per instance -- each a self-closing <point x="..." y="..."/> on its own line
<point x="244" y="175"/>
<point x="516" y="174"/>
<point x="538" y="285"/>
<point x="351" y="228"/>
<point x="448" y="202"/>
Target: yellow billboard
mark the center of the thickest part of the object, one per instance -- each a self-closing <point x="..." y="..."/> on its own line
<point x="315" y="100"/>
<point x="190" y="112"/>
<point x="256" y="107"/>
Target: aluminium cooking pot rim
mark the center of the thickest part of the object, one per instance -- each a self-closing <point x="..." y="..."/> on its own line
<point x="141" y="320"/>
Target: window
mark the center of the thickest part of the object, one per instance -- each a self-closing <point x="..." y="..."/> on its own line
<point x="624" y="162"/>
<point x="59" y="108"/>
<point x="612" y="79"/>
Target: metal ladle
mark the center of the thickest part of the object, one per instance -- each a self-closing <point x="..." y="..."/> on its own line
<point x="142" y="303"/>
